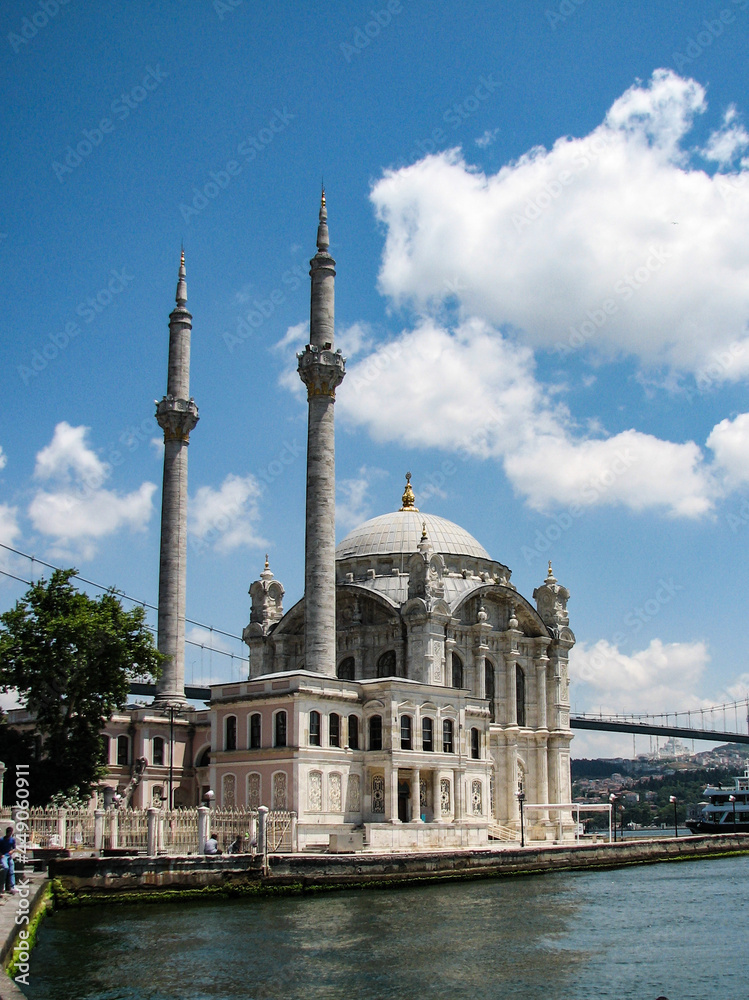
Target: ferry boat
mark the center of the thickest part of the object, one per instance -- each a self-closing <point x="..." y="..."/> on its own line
<point x="719" y="813"/>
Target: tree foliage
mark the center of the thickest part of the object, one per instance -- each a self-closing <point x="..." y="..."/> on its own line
<point x="71" y="658"/>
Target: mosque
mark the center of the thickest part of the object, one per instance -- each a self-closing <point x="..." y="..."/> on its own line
<point x="412" y="694"/>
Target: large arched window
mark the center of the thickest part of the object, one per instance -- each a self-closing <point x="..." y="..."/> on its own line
<point x="375" y="732"/>
<point x="427" y="734"/>
<point x="353" y="732"/>
<point x="447" y="736"/>
<point x="457" y="665"/>
<point x="520" y="694"/>
<point x="334" y="730"/>
<point x="279" y="729"/>
<point x="256" y="731"/>
<point x="386" y="665"/>
<point x="123" y="750"/>
<point x="314" y="729"/>
<point x="230" y="732"/>
<point x="158" y="751"/>
<point x="489" y="687"/>
<point x="475" y="744"/>
<point x="346" y="669"/>
<point x="406" y="732"/>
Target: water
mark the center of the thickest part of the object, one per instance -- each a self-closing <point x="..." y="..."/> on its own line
<point x="676" y="929"/>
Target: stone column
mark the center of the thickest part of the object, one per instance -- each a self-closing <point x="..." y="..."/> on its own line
<point x="436" y="796"/>
<point x="153" y="818"/>
<point x="204" y="827"/>
<point x="541" y="665"/>
<point x="391" y="794"/>
<point x="457" y="795"/>
<point x="415" y="795"/>
<point x="321" y="369"/>
<point x="98" y="829"/>
<point x="177" y="415"/>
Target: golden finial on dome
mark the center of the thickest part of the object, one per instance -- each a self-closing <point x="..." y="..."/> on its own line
<point x="408" y="499"/>
<point x="423" y="531"/>
<point x="267" y="564"/>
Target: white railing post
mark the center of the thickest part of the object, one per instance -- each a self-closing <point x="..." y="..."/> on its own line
<point x="204" y="827"/>
<point x="62" y="827"/>
<point x="153" y="832"/>
<point x="114" y="840"/>
<point x="294" y="847"/>
<point x="98" y="829"/>
<point x="262" y="835"/>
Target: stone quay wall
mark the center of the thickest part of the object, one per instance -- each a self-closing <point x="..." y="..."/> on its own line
<point x="142" y="879"/>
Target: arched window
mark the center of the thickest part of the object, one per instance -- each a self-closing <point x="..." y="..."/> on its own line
<point x="457" y="665"/>
<point x="353" y="732"/>
<point x="158" y="751"/>
<point x="334" y="729"/>
<point x="375" y="732"/>
<point x="386" y="665"/>
<point x="346" y="669"/>
<point x="279" y="729"/>
<point x="204" y="759"/>
<point x="230" y="732"/>
<point x="314" y="729"/>
<point x="123" y="750"/>
<point x="427" y="734"/>
<point x="520" y="694"/>
<point x="475" y="744"/>
<point x="256" y="724"/>
<point x="489" y="687"/>
<point x="406" y="732"/>
<point x="447" y="736"/>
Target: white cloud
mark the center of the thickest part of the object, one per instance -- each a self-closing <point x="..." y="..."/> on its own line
<point x="226" y="518"/>
<point x="474" y="392"/>
<point x="544" y="244"/>
<point x="9" y="534"/>
<point x="729" y="441"/>
<point x="353" y="497"/>
<point x="663" y="677"/>
<point x="487" y="138"/>
<point x="77" y="511"/>
<point x="726" y="143"/>
<point x="3" y="458"/>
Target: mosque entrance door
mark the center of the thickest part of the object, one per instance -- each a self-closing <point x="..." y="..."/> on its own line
<point x="404" y="794"/>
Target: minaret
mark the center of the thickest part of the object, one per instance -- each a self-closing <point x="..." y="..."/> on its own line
<point x="321" y="368"/>
<point x="176" y="414"/>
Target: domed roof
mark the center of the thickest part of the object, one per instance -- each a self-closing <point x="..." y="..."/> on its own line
<point x="399" y="533"/>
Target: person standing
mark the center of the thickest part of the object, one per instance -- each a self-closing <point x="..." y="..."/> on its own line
<point x="7" y="850"/>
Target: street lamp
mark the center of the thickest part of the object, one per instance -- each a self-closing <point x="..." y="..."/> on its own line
<point x="672" y="800"/>
<point x="732" y="800"/>
<point x="171" y="711"/>
<point x="209" y="796"/>
<point x="521" y="800"/>
<point x="612" y="800"/>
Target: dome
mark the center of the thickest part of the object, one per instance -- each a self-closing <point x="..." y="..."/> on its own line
<point x="399" y="533"/>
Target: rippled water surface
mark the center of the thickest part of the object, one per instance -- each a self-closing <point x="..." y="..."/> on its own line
<point x="675" y="929"/>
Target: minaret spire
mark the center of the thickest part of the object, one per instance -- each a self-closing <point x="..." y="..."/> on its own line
<point x="176" y="414"/>
<point x="322" y="369"/>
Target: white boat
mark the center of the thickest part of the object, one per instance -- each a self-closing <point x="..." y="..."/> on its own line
<point x="726" y="809"/>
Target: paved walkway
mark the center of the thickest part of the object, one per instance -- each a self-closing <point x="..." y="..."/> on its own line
<point x="10" y="908"/>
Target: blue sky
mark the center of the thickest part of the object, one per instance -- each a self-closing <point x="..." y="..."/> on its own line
<point x="539" y="216"/>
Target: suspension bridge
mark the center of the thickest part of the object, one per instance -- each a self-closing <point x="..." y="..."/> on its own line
<point x="724" y="723"/>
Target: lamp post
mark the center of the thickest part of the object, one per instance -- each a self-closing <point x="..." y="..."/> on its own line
<point x="672" y="800"/>
<point x="209" y="796"/>
<point x="171" y="711"/>
<point x="521" y="800"/>
<point x="732" y="800"/>
<point x="612" y="800"/>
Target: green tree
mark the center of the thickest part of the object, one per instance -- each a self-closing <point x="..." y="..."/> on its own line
<point x="71" y="658"/>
